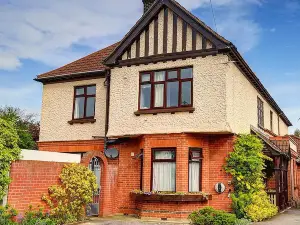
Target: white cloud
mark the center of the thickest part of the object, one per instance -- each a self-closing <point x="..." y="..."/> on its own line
<point x="46" y="31"/>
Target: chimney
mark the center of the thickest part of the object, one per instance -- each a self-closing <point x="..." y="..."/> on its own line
<point x="147" y="4"/>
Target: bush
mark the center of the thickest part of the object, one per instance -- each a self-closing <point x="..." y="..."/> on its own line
<point x="68" y="200"/>
<point x="33" y="217"/>
<point x="260" y="207"/>
<point x="246" y="164"/>
<point x="9" y="152"/>
<point x="210" y="216"/>
<point x="6" y="215"/>
<point x="242" y="222"/>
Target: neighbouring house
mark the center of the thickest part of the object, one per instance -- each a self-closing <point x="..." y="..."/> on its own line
<point x="159" y="112"/>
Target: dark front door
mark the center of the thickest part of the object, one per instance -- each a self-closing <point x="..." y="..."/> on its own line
<point x="95" y="166"/>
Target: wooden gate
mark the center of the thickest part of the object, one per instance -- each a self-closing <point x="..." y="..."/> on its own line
<point x="281" y="175"/>
<point x="95" y="166"/>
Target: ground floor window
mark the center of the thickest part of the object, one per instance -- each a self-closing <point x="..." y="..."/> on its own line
<point x="164" y="170"/>
<point x="195" y="169"/>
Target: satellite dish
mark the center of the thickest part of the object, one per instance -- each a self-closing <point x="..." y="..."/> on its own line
<point x="111" y="153"/>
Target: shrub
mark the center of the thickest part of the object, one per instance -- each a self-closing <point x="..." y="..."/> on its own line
<point x="6" y="215"/>
<point x="37" y="217"/>
<point x="260" y="207"/>
<point x="246" y="164"/>
<point x="210" y="216"/>
<point x="9" y="152"/>
<point x="242" y="222"/>
<point x="68" y="200"/>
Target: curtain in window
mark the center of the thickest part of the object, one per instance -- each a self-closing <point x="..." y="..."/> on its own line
<point x="159" y="95"/>
<point x="79" y="108"/>
<point x="145" y="96"/>
<point x="194" y="176"/>
<point x="164" y="176"/>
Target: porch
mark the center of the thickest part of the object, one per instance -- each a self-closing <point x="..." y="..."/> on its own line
<point x="276" y="171"/>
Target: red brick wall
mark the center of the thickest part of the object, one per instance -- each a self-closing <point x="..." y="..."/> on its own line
<point x="30" y="180"/>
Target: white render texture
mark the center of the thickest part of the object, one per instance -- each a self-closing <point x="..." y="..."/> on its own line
<point x="44" y="156"/>
<point x="57" y="109"/>
<point x="209" y="100"/>
<point x="242" y="104"/>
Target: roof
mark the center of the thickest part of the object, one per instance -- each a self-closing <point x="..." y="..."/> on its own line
<point x="89" y="63"/>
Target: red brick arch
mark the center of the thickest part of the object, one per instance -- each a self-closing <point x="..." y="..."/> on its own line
<point x="104" y="196"/>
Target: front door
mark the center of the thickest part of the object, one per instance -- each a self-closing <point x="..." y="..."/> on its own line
<point x="95" y="166"/>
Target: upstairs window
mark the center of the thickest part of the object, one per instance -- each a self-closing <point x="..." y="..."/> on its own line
<point x="84" y="102"/>
<point x="164" y="170"/>
<point x="260" y="112"/>
<point x="195" y="169"/>
<point x="162" y="89"/>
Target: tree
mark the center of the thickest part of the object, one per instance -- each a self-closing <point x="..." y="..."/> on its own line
<point x="9" y="152"/>
<point x="297" y="133"/>
<point x="25" y="123"/>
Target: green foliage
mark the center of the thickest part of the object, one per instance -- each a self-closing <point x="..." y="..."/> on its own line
<point x="242" y="222"/>
<point x="37" y="217"/>
<point x="260" y="207"/>
<point x="25" y="124"/>
<point x="6" y="215"/>
<point x="210" y="216"/>
<point x="246" y="164"/>
<point x="9" y="152"/>
<point x="68" y="201"/>
<point x="297" y="133"/>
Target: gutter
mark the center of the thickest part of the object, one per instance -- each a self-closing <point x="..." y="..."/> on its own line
<point x="70" y="76"/>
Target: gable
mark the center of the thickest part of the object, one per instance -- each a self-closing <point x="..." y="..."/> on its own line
<point x="167" y="31"/>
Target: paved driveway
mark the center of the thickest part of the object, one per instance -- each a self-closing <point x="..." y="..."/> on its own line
<point x="289" y="217"/>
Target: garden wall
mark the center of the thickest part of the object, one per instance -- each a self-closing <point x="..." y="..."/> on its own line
<point x="33" y="175"/>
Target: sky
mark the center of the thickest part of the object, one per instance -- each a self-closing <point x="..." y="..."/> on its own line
<point x="38" y="36"/>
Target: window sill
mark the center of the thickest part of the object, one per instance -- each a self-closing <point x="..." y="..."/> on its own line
<point x="172" y="111"/>
<point x="170" y="197"/>
<point x="81" y="121"/>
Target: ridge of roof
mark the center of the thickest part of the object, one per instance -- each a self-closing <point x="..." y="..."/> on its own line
<point x="90" y="63"/>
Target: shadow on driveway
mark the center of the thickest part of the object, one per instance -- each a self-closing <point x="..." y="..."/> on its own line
<point x="289" y="217"/>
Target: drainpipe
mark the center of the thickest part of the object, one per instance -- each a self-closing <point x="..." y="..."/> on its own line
<point x="107" y="83"/>
<point x="5" y="198"/>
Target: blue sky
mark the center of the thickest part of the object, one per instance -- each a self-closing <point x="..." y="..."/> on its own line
<point x="37" y="36"/>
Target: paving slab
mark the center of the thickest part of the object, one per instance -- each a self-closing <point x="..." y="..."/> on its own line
<point x="288" y="217"/>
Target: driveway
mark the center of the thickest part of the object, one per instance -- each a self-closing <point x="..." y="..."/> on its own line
<point x="289" y="217"/>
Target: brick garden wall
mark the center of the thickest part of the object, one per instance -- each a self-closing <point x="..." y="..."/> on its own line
<point x="30" y="180"/>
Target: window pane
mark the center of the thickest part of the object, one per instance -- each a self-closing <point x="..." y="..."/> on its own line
<point x="145" y="97"/>
<point x="145" y="77"/>
<point x="186" y="73"/>
<point x="159" y="76"/>
<point x="159" y="95"/>
<point x="79" y="108"/>
<point x="172" y="94"/>
<point x="90" y="107"/>
<point x="79" y="91"/>
<point x="164" y="176"/>
<point x="186" y="93"/>
<point x="91" y="90"/>
<point x="172" y="74"/>
<point x="164" y="155"/>
<point x="194" y="177"/>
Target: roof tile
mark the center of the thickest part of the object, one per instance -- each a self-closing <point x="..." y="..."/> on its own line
<point x="89" y="63"/>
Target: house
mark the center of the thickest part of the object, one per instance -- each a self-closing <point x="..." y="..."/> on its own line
<point x="159" y="111"/>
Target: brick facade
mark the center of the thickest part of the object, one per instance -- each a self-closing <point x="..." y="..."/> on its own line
<point x="121" y="176"/>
